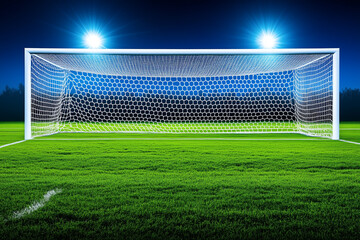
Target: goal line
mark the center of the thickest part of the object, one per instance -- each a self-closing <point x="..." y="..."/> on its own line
<point x="178" y="139"/>
<point x="181" y="139"/>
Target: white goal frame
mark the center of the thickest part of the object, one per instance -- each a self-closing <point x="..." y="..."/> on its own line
<point x="335" y="69"/>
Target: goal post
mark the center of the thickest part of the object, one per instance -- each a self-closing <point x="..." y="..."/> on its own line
<point x="182" y="91"/>
<point x="27" y="97"/>
<point x="336" y="95"/>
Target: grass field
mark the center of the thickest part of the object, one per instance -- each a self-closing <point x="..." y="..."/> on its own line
<point x="126" y="186"/>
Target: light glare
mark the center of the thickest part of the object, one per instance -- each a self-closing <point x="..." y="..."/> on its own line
<point x="93" y="40"/>
<point x="268" y="40"/>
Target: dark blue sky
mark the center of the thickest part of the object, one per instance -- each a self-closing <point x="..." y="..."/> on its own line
<point x="178" y="24"/>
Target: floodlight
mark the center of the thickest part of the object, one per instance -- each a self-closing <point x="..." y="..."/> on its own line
<point x="268" y="40"/>
<point x="93" y="40"/>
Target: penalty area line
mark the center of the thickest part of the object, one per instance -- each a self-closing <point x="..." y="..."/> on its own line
<point x="9" y="144"/>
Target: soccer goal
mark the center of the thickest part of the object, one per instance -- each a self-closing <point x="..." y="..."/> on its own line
<point x="182" y="91"/>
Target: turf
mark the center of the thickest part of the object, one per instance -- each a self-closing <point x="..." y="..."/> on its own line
<point x="350" y="131"/>
<point x="132" y="188"/>
<point x="11" y="132"/>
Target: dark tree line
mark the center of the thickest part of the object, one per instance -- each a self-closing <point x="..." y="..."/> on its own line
<point x="350" y="104"/>
<point x="12" y="104"/>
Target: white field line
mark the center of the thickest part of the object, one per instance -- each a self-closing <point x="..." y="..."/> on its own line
<point x="36" y="205"/>
<point x="342" y="140"/>
<point x="183" y="139"/>
<point x="6" y="145"/>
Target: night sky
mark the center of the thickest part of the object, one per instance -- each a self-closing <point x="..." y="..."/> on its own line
<point x="178" y="24"/>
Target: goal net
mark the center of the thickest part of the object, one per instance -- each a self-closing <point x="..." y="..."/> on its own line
<point x="180" y="92"/>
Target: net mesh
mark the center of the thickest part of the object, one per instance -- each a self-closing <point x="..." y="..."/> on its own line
<point x="182" y="93"/>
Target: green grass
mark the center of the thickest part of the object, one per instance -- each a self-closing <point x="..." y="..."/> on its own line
<point x="350" y="131"/>
<point x="11" y="132"/>
<point x="181" y="189"/>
